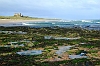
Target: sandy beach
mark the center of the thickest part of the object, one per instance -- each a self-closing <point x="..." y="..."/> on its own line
<point x="6" y="21"/>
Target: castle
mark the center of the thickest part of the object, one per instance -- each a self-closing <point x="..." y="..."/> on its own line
<point x="18" y="15"/>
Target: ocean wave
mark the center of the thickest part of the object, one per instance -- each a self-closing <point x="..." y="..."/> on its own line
<point x="97" y="22"/>
<point x="26" y="24"/>
<point x="86" y="20"/>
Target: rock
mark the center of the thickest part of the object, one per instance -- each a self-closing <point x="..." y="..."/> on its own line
<point x="99" y="53"/>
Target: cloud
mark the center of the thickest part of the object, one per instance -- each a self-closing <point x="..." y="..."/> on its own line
<point x="49" y="4"/>
<point x="52" y="8"/>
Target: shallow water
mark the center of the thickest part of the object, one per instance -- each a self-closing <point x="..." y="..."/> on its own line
<point x="86" y="24"/>
<point x="30" y="52"/>
<point x="62" y="49"/>
<point x="76" y="56"/>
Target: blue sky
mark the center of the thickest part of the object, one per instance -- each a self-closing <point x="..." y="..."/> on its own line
<point x="64" y="9"/>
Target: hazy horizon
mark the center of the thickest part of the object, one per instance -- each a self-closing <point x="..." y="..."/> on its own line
<point x="63" y="9"/>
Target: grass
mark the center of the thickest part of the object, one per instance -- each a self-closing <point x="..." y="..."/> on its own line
<point x="20" y="17"/>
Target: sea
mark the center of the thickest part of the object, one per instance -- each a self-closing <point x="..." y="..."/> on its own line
<point x="85" y="24"/>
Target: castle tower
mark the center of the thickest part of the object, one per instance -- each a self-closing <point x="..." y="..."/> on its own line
<point x="17" y="15"/>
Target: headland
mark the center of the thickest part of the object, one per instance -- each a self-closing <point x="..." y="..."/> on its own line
<point x="18" y="17"/>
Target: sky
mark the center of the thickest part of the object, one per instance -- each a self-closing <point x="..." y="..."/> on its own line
<point x="63" y="9"/>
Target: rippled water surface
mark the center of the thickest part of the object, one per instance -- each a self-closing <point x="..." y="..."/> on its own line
<point x="87" y="24"/>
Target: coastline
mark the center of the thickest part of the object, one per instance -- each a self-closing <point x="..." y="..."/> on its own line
<point x="7" y="21"/>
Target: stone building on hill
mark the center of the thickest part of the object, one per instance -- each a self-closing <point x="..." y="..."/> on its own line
<point x="18" y="15"/>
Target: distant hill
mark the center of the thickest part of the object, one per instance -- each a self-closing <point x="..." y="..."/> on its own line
<point x="22" y="17"/>
<point x="19" y="16"/>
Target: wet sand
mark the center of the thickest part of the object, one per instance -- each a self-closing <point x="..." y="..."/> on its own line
<point x="6" y="21"/>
